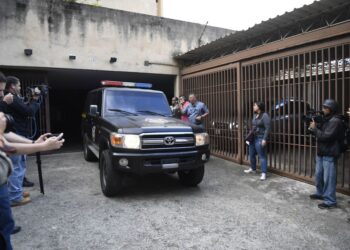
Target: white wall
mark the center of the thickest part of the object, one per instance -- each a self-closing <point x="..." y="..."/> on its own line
<point x="55" y="29"/>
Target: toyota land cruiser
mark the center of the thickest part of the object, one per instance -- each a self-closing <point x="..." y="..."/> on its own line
<point x="129" y="129"/>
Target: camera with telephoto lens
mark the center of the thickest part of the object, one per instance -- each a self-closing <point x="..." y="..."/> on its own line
<point x="9" y="122"/>
<point x="312" y="115"/>
<point x="36" y="91"/>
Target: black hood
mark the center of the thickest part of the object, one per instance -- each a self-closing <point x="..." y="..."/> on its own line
<point x="331" y="104"/>
<point x="151" y="124"/>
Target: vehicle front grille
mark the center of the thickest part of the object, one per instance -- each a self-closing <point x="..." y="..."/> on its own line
<point x="167" y="141"/>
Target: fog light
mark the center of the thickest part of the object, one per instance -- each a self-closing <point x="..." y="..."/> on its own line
<point x="204" y="157"/>
<point x="123" y="162"/>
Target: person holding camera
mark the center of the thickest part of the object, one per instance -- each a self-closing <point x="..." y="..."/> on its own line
<point x="175" y="107"/>
<point x="20" y="111"/>
<point x="18" y="145"/>
<point x="196" y="111"/>
<point x="4" y="99"/>
<point x="328" y="135"/>
<point x="7" y="223"/>
<point x="261" y="125"/>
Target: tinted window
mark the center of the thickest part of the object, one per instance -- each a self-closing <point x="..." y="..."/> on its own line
<point x="136" y="102"/>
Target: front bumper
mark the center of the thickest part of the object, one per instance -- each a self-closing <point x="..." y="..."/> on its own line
<point x="144" y="163"/>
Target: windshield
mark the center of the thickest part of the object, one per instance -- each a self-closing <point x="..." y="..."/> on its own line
<point x="136" y="103"/>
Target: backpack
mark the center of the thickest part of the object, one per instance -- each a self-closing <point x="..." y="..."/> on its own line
<point x="345" y="141"/>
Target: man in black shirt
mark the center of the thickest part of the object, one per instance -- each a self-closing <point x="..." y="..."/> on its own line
<point x="20" y="112"/>
<point x="328" y="135"/>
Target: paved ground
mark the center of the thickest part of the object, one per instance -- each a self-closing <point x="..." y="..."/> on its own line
<point x="227" y="211"/>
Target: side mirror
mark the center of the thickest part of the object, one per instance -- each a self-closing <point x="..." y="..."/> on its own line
<point x="94" y="110"/>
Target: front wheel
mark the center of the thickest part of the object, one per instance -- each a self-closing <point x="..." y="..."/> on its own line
<point x="110" y="178"/>
<point x="191" y="177"/>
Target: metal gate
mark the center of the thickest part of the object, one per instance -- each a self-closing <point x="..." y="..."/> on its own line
<point x="290" y="83"/>
<point x="218" y="89"/>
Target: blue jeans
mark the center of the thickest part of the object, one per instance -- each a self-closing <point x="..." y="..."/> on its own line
<point x="6" y="219"/>
<point x="254" y="149"/>
<point x="326" y="178"/>
<point x="15" y="181"/>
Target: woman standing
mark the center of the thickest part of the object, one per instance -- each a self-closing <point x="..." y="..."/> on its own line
<point x="261" y="128"/>
<point x="184" y="103"/>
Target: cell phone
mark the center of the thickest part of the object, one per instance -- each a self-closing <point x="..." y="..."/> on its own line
<point x="56" y="135"/>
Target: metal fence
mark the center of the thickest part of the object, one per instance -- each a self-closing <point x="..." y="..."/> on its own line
<point x="290" y="83"/>
<point x="218" y="89"/>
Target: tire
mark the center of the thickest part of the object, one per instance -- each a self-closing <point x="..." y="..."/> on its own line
<point x="111" y="179"/>
<point x="88" y="154"/>
<point x="193" y="177"/>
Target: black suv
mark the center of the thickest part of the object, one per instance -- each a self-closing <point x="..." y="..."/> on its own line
<point x="131" y="130"/>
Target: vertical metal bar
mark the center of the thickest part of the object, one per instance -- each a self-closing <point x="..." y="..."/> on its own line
<point x="310" y="156"/>
<point x="288" y="113"/>
<point x="278" y="66"/>
<point x="268" y="105"/>
<point x="284" y="112"/>
<point x="273" y="83"/>
<point x="343" y="105"/>
<point x="299" y="119"/>
<point x="295" y="114"/>
<point x="238" y="80"/>
<point x="329" y="73"/>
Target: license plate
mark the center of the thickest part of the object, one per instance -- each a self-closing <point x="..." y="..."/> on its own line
<point x="170" y="165"/>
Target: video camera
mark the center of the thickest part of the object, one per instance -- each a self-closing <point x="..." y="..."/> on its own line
<point x="313" y="115"/>
<point x="36" y="91"/>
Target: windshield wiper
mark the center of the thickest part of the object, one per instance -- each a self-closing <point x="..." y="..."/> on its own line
<point x="122" y="111"/>
<point x="149" y="112"/>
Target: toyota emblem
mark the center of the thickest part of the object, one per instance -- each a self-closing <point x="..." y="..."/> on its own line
<point x="169" y="141"/>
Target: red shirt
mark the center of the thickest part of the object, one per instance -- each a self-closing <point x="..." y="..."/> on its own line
<point x="184" y="117"/>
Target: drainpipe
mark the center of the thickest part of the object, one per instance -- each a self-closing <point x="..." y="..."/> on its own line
<point x="160" y="8"/>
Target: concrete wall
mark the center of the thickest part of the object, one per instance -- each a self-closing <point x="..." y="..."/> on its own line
<point x="149" y="7"/>
<point x="55" y="29"/>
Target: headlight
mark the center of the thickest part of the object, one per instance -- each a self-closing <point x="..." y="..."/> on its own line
<point x="202" y="139"/>
<point x="125" y="141"/>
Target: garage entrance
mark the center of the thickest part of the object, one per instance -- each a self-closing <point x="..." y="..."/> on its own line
<point x="62" y="108"/>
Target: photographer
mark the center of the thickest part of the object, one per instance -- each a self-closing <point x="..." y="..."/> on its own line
<point x="20" y="111"/>
<point x="175" y="107"/>
<point x="18" y="145"/>
<point x="4" y="100"/>
<point x="328" y="134"/>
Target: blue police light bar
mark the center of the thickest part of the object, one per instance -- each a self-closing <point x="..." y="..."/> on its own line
<point x="108" y="83"/>
<point x="143" y="85"/>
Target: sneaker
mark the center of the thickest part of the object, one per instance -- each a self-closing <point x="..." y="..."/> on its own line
<point x="250" y="171"/>
<point x="326" y="206"/>
<point x="16" y="229"/>
<point x="26" y="194"/>
<point x="27" y="183"/>
<point x="22" y="202"/>
<point x="263" y="177"/>
<point x="316" y="197"/>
